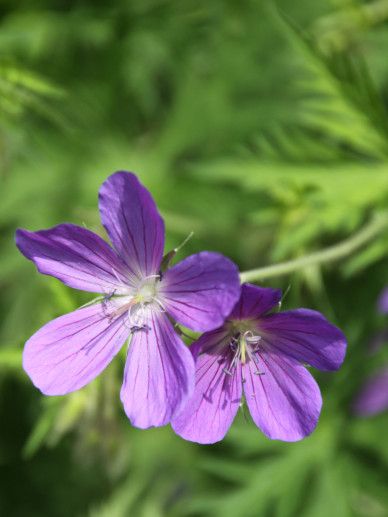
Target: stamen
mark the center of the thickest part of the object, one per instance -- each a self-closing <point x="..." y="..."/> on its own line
<point x="121" y="310"/>
<point x="236" y="356"/>
<point x="108" y="296"/>
<point x="136" y="314"/>
<point x="160" y="305"/>
<point x="138" y="328"/>
<point x="251" y="338"/>
<point x="244" y="347"/>
<point x="234" y="344"/>
<point x="150" y="276"/>
<point x="256" y="362"/>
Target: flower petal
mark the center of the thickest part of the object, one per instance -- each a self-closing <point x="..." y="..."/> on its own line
<point x="255" y="301"/>
<point x="75" y="255"/>
<point x="201" y="290"/>
<point x="132" y="222"/>
<point x="159" y="374"/>
<point x="70" y="351"/>
<point x="284" y="400"/>
<point x="217" y="395"/>
<point x="306" y="336"/>
<point x="373" y="398"/>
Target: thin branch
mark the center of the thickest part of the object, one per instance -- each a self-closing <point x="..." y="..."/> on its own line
<point x="378" y="224"/>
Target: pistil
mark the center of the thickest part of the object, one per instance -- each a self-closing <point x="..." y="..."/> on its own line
<point x="244" y="346"/>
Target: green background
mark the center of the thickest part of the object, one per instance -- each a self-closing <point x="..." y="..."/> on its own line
<point x="264" y="131"/>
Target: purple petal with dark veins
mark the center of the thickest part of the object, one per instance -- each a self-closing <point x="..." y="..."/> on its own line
<point x="306" y="336"/>
<point x="70" y="351"/>
<point x="201" y="290"/>
<point x="217" y="395"/>
<point x="75" y="255"/>
<point x="284" y="400"/>
<point x="373" y="398"/>
<point x="159" y="374"/>
<point x="255" y="301"/>
<point x="132" y="222"/>
<point x="211" y="341"/>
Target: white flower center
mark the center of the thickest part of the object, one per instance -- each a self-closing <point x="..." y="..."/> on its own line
<point x="145" y="298"/>
<point x="136" y="304"/>
<point x="147" y="292"/>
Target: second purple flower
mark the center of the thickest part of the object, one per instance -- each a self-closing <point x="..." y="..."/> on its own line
<point x="261" y="355"/>
<point x="138" y="299"/>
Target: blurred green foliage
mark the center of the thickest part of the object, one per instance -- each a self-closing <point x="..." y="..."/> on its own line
<point x="265" y="131"/>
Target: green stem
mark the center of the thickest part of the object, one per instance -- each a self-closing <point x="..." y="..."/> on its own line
<point x="336" y="252"/>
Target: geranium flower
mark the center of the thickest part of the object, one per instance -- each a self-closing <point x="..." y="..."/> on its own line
<point x="139" y="300"/>
<point x="260" y="354"/>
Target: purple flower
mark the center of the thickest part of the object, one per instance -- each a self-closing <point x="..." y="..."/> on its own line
<point x="260" y="354"/>
<point x="373" y="398"/>
<point x="139" y="301"/>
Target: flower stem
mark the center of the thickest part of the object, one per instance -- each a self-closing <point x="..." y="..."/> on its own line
<point x="336" y="252"/>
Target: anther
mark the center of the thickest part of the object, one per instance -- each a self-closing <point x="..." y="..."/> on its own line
<point x="137" y="328"/>
<point x="108" y="296"/>
<point x="251" y="339"/>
